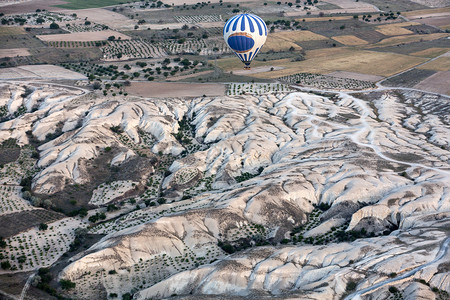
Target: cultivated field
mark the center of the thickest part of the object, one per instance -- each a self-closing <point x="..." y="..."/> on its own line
<point x="11" y="30"/>
<point x="397" y="40"/>
<point x="395" y="29"/>
<point x="357" y="76"/>
<point x="284" y="40"/>
<point x="106" y="17"/>
<point x="325" y="19"/>
<point x="430" y="52"/>
<point x="351" y="4"/>
<point x="426" y="13"/>
<point x="439" y="64"/>
<point x="128" y="49"/>
<point x="83" y="36"/>
<point x="235" y="89"/>
<point x="327" y="82"/>
<point x="191" y="2"/>
<point x="199" y="19"/>
<point x="437" y="83"/>
<point x="349" y="40"/>
<point x="39" y="72"/>
<point x="165" y="89"/>
<point x="360" y="61"/>
<point x="14" y="52"/>
<point x="80" y="4"/>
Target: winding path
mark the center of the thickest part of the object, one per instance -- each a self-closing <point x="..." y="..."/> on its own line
<point x="442" y="251"/>
<point x="26" y="287"/>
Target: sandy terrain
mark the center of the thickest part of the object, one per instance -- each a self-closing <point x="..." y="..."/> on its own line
<point x="103" y="16"/>
<point x="40" y="72"/>
<point x="357" y="76"/>
<point x="164" y="89"/>
<point x="437" y="83"/>
<point x="83" y="36"/>
<point x="14" y="52"/>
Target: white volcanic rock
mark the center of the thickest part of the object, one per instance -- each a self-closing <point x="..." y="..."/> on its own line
<point x="418" y="291"/>
<point x="122" y="157"/>
<point x="285" y="269"/>
<point x="381" y="165"/>
<point x="376" y="211"/>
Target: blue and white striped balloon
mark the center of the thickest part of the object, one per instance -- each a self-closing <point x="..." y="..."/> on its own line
<point x="245" y="34"/>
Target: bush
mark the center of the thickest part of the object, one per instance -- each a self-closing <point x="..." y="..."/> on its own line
<point x="351" y="286"/>
<point x="393" y="289"/>
<point x="43" y="226"/>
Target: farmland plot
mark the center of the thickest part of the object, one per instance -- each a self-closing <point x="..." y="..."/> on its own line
<point x="141" y="48"/>
<point x="129" y="49"/>
<point x="201" y="47"/>
<point x="64" y="44"/>
<point x="329" y="82"/>
<point x="35" y="248"/>
<point x="199" y="19"/>
<point x="14" y="52"/>
<point x="235" y="89"/>
<point x="10" y="200"/>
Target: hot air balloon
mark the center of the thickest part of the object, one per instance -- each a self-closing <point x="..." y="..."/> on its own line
<point x="245" y="34"/>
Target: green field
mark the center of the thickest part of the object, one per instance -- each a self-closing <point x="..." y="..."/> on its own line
<point x="80" y="4"/>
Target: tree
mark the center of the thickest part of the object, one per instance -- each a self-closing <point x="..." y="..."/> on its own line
<point x="48" y="203"/>
<point x="97" y="85"/>
<point x="5" y="265"/>
<point x="66" y="284"/>
<point x="43" y="226"/>
<point x="54" y="26"/>
<point x="111" y="38"/>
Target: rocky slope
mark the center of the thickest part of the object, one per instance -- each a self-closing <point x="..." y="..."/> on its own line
<point x="293" y="194"/>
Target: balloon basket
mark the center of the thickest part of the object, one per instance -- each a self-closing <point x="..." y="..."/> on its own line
<point x="247" y="68"/>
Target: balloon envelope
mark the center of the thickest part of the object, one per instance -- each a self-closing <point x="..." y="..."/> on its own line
<point x="245" y="34"/>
